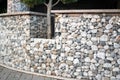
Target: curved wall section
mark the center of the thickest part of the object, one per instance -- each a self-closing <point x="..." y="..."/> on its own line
<point x="86" y="45"/>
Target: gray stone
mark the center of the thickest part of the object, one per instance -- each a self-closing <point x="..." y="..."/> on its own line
<point x="83" y="34"/>
<point x="101" y="55"/>
<point x="76" y="61"/>
<point x="116" y="45"/>
<point x="104" y="38"/>
<point x="94" y="39"/>
<point x="94" y="31"/>
<point x="94" y="47"/>
<point x="89" y="43"/>
<point x="107" y="65"/>
<point x="108" y="26"/>
<point x="118" y="61"/>
<point x="67" y="49"/>
<point x="116" y="69"/>
<point x="87" y="59"/>
<point x="113" y="78"/>
<point x="92" y="67"/>
<point x="118" y="76"/>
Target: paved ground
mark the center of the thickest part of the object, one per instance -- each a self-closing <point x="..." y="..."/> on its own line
<point x="7" y="74"/>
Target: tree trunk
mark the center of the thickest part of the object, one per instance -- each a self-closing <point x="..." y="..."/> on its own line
<point x="49" y="7"/>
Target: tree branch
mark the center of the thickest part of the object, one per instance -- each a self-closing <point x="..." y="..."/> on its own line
<point x="45" y="4"/>
<point x="56" y="3"/>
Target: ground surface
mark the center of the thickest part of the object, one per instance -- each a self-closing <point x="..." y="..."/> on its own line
<point x="7" y="74"/>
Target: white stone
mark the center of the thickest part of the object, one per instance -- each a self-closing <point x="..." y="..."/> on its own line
<point x="104" y="38"/>
<point x="83" y="34"/>
<point x="44" y="56"/>
<point x="110" y="58"/>
<point x="32" y="70"/>
<point x="79" y="77"/>
<point x="116" y="69"/>
<point x="91" y="27"/>
<point x="62" y="54"/>
<point x="48" y="51"/>
<point x="93" y="20"/>
<point x="48" y="72"/>
<point x="94" y="47"/>
<point x="61" y="20"/>
<point x="78" y="69"/>
<point x="96" y="16"/>
<point x="106" y="47"/>
<point x="107" y="65"/>
<point x="103" y="20"/>
<point x="94" y="31"/>
<point x="43" y="66"/>
<point x="112" y="78"/>
<point x="73" y="29"/>
<point x="53" y="56"/>
<point x="69" y="42"/>
<point x="116" y="45"/>
<point x="76" y="73"/>
<point x="94" y="39"/>
<point x="106" y="31"/>
<point x="93" y="61"/>
<point x="36" y="57"/>
<point x="77" y="53"/>
<point x="87" y="16"/>
<point x="90" y="73"/>
<point x="118" y="30"/>
<point x="57" y="72"/>
<point x="76" y="61"/>
<point x="78" y="47"/>
<point x="99" y="77"/>
<point x="92" y="67"/>
<point x="89" y="43"/>
<point x="67" y="49"/>
<point x="85" y="73"/>
<point x="83" y="40"/>
<point x="73" y="24"/>
<point x="118" y="76"/>
<point x="118" y="61"/>
<point x="101" y="55"/>
<point x="70" y="58"/>
<point x="108" y="26"/>
<point x="60" y="58"/>
<point x="88" y="36"/>
<point x="87" y="59"/>
<point x="28" y="47"/>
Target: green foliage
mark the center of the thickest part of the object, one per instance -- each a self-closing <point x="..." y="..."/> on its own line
<point x="68" y="1"/>
<point x="31" y="3"/>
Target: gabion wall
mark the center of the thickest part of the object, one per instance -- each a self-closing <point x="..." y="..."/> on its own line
<point x="85" y="46"/>
<point x="90" y="46"/>
<point x="15" y="34"/>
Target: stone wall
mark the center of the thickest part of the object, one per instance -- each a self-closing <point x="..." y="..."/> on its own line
<point x="16" y="6"/>
<point x="85" y="45"/>
<point x="38" y="26"/>
<point x="16" y="30"/>
<point x="90" y="45"/>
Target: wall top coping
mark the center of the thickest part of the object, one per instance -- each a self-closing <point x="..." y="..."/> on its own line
<point x="86" y="11"/>
<point x="22" y="13"/>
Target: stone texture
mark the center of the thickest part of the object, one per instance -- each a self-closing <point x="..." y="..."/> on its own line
<point x="85" y="46"/>
<point x="16" y="6"/>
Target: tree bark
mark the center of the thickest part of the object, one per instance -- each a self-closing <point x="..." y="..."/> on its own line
<point x="49" y="7"/>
